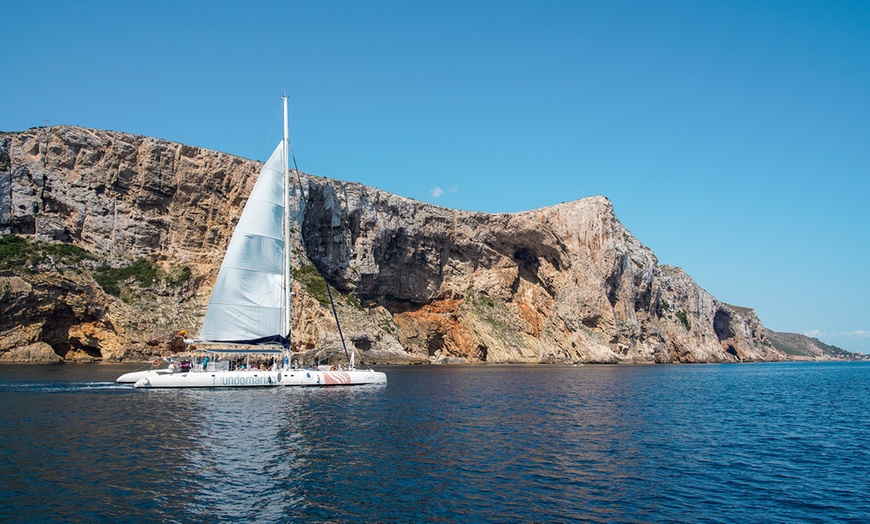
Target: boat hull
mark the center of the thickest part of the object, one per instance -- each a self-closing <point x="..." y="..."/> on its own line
<point x="296" y="377"/>
<point x="135" y="376"/>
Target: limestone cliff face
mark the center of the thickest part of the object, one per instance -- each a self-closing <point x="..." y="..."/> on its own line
<point x="416" y="282"/>
<point x="562" y="284"/>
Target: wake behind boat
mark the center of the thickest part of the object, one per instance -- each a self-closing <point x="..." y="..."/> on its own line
<point x="249" y="309"/>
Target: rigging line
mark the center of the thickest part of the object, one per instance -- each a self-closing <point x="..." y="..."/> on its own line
<point x="328" y="291"/>
<point x="298" y="176"/>
<point x="337" y="323"/>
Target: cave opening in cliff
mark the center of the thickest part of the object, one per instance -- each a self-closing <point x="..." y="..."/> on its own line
<point x="23" y="225"/>
<point x="611" y="283"/>
<point x="435" y="343"/>
<point x="722" y="325"/>
<point x="362" y="343"/>
<point x="71" y="348"/>
<point x="528" y="264"/>
<point x="731" y="350"/>
<point x="528" y="269"/>
<point x="60" y="334"/>
<point x="481" y="352"/>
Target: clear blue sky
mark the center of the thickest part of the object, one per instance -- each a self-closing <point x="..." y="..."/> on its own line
<point x="732" y="137"/>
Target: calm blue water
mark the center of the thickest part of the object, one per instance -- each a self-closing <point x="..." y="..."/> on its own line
<point x="707" y="443"/>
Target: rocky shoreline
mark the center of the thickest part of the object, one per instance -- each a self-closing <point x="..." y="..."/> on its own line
<point x="112" y="244"/>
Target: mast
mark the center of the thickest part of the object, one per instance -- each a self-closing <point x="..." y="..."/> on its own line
<point x="286" y="229"/>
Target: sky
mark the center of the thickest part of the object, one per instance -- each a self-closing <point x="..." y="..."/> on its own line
<point x="732" y="137"/>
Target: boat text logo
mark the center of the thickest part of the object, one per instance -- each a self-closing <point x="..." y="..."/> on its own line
<point x="246" y="381"/>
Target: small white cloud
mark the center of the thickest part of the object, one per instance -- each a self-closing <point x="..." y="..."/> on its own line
<point x="453" y="189"/>
<point x="436" y="192"/>
<point x="815" y="333"/>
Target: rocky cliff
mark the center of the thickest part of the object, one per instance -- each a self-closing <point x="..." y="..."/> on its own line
<point x="415" y="282"/>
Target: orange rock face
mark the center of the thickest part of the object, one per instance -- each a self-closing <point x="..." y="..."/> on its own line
<point x="414" y="282"/>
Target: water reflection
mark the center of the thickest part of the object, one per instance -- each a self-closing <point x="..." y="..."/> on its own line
<point x="233" y="467"/>
<point x="495" y="443"/>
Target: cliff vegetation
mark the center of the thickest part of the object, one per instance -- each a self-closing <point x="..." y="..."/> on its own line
<point x="111" y="245"/>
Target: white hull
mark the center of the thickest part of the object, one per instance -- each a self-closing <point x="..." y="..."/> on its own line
<point x="293" y="377"/>
<point x="135" y="376"/>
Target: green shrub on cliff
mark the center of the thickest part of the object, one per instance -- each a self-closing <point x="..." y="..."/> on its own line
<point x="109" y="278"/>
<point x="179" y="277"/>
<point x="142" y="272"/>
<point x="313" y="283"/>
<point x="684" y="318"/>
<point x="22" y="254"/>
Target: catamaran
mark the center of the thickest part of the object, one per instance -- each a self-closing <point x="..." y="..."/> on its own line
<point x="249" y="309"/>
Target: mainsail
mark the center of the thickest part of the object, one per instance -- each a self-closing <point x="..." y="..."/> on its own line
<point x="250" y="302"/>
<point x="248" y="299"/>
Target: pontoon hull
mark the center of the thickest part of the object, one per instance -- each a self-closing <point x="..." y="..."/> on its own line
<point x="135" y="376"/>
<point x="296" y="377"/>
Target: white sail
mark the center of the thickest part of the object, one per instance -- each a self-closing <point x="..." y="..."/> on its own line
<point x="250" y="302"/>
<point x="248" y="298"/>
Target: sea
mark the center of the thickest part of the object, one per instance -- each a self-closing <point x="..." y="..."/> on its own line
<point x="773" y="442"/>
